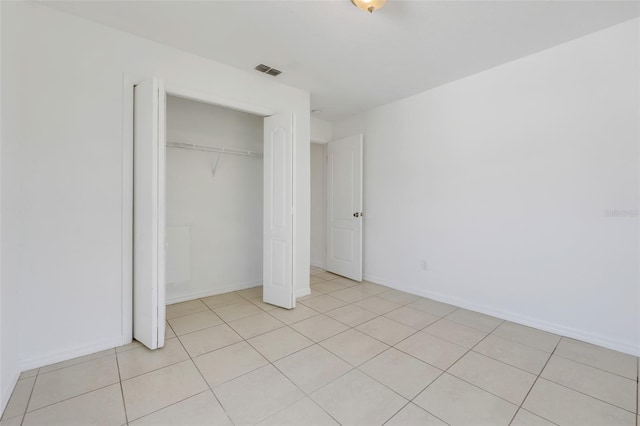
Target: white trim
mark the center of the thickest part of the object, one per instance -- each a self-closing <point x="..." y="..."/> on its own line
<point x="67" y="354"/>
<point x="212" y="99"/>
<point x="213" y="292"/>
<point x="303" y="292"/>
<point x="317" y="264"/>
<point x="561" y="330"/>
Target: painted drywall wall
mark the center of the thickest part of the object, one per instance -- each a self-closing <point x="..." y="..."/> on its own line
<point x="519" y="187"/>
<point x="220" y="213"/>
<point x="63" y="173"/>
<point x="321" y="130"/>
<point x="318" y="205"/>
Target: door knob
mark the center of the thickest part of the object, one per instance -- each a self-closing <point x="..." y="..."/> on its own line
<point x="356" y="214"/>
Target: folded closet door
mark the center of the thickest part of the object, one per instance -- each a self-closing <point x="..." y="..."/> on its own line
<point x="148" y="214"/>
<point x="278" y="211"/>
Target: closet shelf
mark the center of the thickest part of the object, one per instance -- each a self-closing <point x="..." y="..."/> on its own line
<point x="207" y="148"/>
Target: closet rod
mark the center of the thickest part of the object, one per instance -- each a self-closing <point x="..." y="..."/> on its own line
<point x="214" y="149"/>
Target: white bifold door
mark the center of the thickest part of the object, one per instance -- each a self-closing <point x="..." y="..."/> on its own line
<point x="277" y="271"/>
<point x="149" y="306"/>
<point x="344" y="207"/>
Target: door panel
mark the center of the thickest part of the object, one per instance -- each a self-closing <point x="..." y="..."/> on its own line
<point x="148" y="214"/>
<point x="344" y="207"/>
<point x="278" y="211"/>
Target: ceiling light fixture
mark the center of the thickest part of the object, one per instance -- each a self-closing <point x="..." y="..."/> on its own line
<point x="368" y="5"/>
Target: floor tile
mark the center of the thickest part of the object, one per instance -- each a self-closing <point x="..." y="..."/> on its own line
<point x="202" y="409"/>
<point x="527" y="336"/>
<point x="324" y="303"/>
<point x="459" y="403"/>
<point x="312" y="293"/>
<point x="513" y="353"/>
<point x="351" y="295"/>
<point x="403" y="373"/>
<point x="264" y="392"/>
<point x="327" y="287"/>
<point x="609" y="387"/>
<point x="13" y="421"/>
<point x="500" y="379"/>
<point x="75" y="361"/>
<point x="432" y="307"/>
<point x="356" y="399"/>
<point x="185" y="308"/>
<point x="100" y="407"/>
<point x="312" y="368"/>
<point x="474" y="319"/>
<point x="303" y="412"/>
<point x="351" y="315"/>
<point x="412" y="317"/>
<point x="599" y="357"/>
<point x="224" y="299"/>
<point x="236" y="311"/>
<point x="209" y="339"/>
<point x="526" y="418"/>
<point x="19" y="399"/>
<point x="133" y="345"/>
<point x="432" y="350"/>
<point x="264" y="306"/>
<point x="28" y="373"/>
<point x="397" y="296"/>
<point x="279" y="343"/>
<point x="168" y="331"/>
<point x="250" y="293"/>
<point x="327" y="275"/>
<point x="455" y="333"/>
<point x="354" y="346"/>
<point x="377" y="305"/>
<point x="228" y="363"/>
<point x="372" y="288"/>
<point x="319" y="328"/>
<point x="75" y="380"/>
<point x="315" y="280"/>
<point x="345" y="282"/>
<point x="386" y="330"/>
<point x="254" y="325"/>
<point x="194" y="322"/>
<point x="290" y="316"/>
<point x="411" y="414"/>
<point x="564" y="406"/>
<point x="161" y="388"/>
<point x="142" y="360"/>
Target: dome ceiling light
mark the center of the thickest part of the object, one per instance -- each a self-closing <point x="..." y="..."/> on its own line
<point x="368" y="5"/>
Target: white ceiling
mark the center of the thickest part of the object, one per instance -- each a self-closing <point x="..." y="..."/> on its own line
<point x="349" y="60"/>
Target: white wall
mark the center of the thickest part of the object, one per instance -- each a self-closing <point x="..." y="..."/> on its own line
<point x="318" y="206"/>
<point x="222" y="213"/>
<point x="505" y="182"/>
<point x="62" y="172"/>
<point x="321" y="130"/>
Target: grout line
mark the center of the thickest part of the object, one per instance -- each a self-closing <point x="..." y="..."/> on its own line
<point x="124" y="405"/>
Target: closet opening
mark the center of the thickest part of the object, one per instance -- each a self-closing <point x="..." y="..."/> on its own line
<point x="214" y="200"/>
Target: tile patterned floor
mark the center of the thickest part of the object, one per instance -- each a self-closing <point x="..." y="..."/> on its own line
<point x="350" y="353"/>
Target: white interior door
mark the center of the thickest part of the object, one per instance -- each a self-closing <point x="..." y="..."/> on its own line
<point x="148" y="214"/>
<point x="278" y="211"/>
<point x="344" y="207"/>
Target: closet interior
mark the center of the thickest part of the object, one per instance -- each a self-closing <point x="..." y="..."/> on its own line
<point x="214" y="200"/>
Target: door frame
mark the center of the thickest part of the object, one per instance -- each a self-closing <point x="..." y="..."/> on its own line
<point x="182" y="91"/>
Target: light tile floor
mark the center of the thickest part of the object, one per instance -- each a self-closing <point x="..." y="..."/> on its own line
<point x="349" y="353"/>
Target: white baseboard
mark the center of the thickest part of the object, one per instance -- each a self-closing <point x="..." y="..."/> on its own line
<point x="211" y="292"/>
<point x="303" y="292"/>
<point x="66" y="354"/>
<point x="604" y="341"/>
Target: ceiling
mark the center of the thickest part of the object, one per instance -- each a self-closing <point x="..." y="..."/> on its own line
<point x="350" y="60"/>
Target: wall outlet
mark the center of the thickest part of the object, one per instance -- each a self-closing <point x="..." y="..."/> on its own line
<point x="423" y="265"/>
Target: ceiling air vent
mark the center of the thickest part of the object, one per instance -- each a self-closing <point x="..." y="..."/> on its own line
<point x="268" y="70"/>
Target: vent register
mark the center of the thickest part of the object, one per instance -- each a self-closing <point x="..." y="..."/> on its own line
<point x="266" y="69"/>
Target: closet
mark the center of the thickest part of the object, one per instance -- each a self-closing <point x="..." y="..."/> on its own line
<point x="214" y="200"/>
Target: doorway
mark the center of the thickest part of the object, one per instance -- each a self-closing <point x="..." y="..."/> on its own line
<point x="149" y="218"/>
